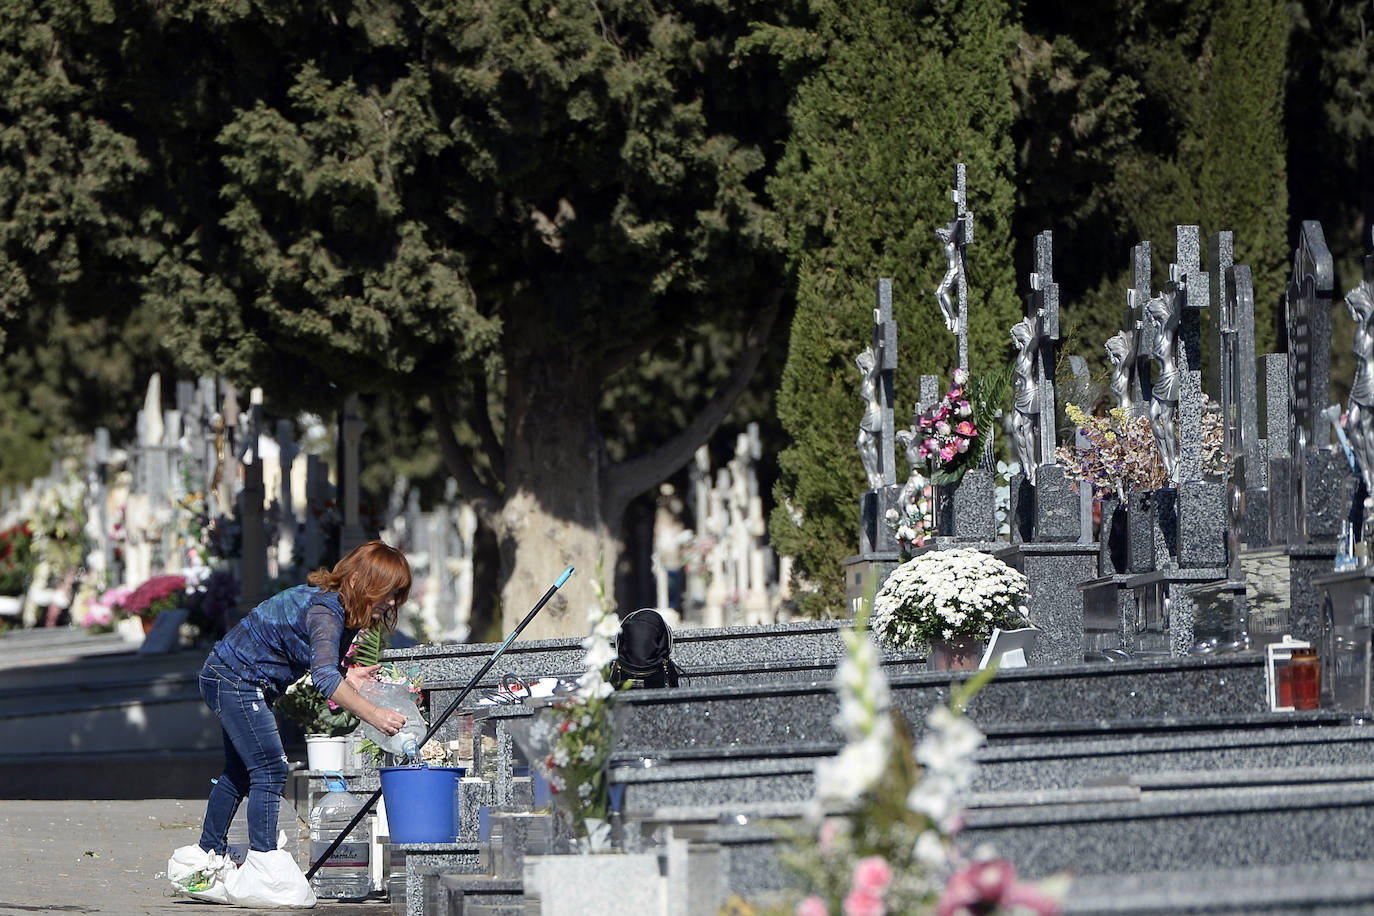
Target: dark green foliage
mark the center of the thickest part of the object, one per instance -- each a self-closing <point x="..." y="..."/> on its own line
<point x="1243" y="163"/>
<point x="896" y="95"/>
<point x="1138" y="117"/>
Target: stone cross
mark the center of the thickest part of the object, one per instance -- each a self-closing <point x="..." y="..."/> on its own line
<point x="1307" y="302"/>
<point x="885" y="345"/>
<point x="955" y="237"/>
<point x="1233" y="378"/>
<point x="1136" y="297"/>
<point x="1307" y="320"/>
<point x="1043" y="310"/>
<point x="1192" y="281"/>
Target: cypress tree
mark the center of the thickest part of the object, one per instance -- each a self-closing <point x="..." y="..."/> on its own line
<point x="1243" y="170"/>
<point x="897" y="95"/>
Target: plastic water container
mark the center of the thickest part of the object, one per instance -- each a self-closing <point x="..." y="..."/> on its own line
<point x="345" y="875"/>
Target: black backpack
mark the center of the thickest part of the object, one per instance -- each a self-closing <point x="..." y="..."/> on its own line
<point x="644" y="649"/>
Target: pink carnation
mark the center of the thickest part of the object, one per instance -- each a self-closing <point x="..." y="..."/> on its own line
<point x="872" y="875"/>
<point x="859" y="903"/>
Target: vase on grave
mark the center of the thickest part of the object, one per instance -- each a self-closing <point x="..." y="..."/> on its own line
<point x="960" y="653"/>
<point x="1113" y="537"/>
<point x="326" y="752"/>
<point x="1140" y="539"/>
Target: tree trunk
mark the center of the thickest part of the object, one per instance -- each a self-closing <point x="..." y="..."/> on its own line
<point x="551" y="515"/>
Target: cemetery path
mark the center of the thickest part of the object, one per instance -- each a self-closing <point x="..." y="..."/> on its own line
<point x="108" y="857"/>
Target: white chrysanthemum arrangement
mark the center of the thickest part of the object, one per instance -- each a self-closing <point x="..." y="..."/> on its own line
<point x="944" y="594"/>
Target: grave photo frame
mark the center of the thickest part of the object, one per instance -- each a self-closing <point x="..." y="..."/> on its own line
<point x="1009" y="648"/>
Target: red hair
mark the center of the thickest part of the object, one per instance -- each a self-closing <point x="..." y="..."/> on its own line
<point x="370" y="573"/>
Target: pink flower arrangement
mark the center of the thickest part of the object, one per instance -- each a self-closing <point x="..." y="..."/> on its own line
<point x="98" y="619"/>
<point x="991" y="887"/>
<point x="158" y="594"/>
<point x="947" y="427"/>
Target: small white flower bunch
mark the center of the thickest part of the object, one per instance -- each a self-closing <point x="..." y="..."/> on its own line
<point x="864" y="718"/>
<point x="947" y="593"/>
<point x="569" y="743"/>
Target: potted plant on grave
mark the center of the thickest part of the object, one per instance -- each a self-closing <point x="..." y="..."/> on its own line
<point x="158" y="594"/>
<point x="16" y="566"/>
<point x="324" y="724"/>
<point x="949" y="602"/>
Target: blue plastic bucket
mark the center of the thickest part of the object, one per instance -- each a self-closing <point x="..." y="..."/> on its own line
<point x="421" y="802"/>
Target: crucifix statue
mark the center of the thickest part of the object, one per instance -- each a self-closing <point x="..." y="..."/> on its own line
<point x="1360" y="419"/>
<point x="952" y="293"/>
<point x="1161" y="314"/>
<point x="1025" y="396"/>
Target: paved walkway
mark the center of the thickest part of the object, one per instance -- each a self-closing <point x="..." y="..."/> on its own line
<point x="109" y="857"/>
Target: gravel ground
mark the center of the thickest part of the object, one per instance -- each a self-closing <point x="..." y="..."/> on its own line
<point x="110" y="857"/>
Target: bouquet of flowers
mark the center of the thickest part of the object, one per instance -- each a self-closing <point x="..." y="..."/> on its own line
<point x="953" y="431"/>
<point x="911" y="522"/>
<point x="947" y="593"/>
<point x="59" y="525"/>
<point x="1120" y="454"/>
<point x="303" y="704"/>
<point x="16" y="558"/>
<point x="158" y="594"/>
<point x="569" y="743"/>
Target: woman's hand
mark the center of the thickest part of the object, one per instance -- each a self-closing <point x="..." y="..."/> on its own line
<point x="386" y="721"/>
<point x="357" y="677"/>
<point x="350" y="696"/>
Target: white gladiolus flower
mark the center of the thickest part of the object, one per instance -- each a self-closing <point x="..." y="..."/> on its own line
<point x="930" y="850"/>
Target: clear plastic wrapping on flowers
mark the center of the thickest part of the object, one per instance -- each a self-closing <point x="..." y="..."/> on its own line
<point x="568" y="745"/>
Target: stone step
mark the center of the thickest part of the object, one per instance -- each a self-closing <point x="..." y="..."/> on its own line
<point x="1205" y="761"/>
<point x="1183" y="830"/>
<point x="1327" y="889"/>
<point x="1027" y="704"/>
<point x="456" y="665"/>
<point x="1273" y="742"/>
<point x="1217" y="831"/>
<point x="126" y="664"/>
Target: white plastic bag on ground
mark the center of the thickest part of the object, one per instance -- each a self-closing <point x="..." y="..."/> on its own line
<point x="200" y="874"/>
<point x="269" y="879"/>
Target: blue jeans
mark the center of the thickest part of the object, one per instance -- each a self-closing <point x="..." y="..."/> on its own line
<point x="255" y="762"/>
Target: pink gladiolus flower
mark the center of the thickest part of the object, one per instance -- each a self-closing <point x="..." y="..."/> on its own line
<point x="948" y="452"/>
<point x="872" y="875"/>
<point x="942" y="413"/>
<point x="825" y="837"/>
<point x="972" y="888"/>
<point x="859" y="903"/>
<point x="812" y="906"/>
<point x="966" y="429"/>
<point x="956" y="393"/>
